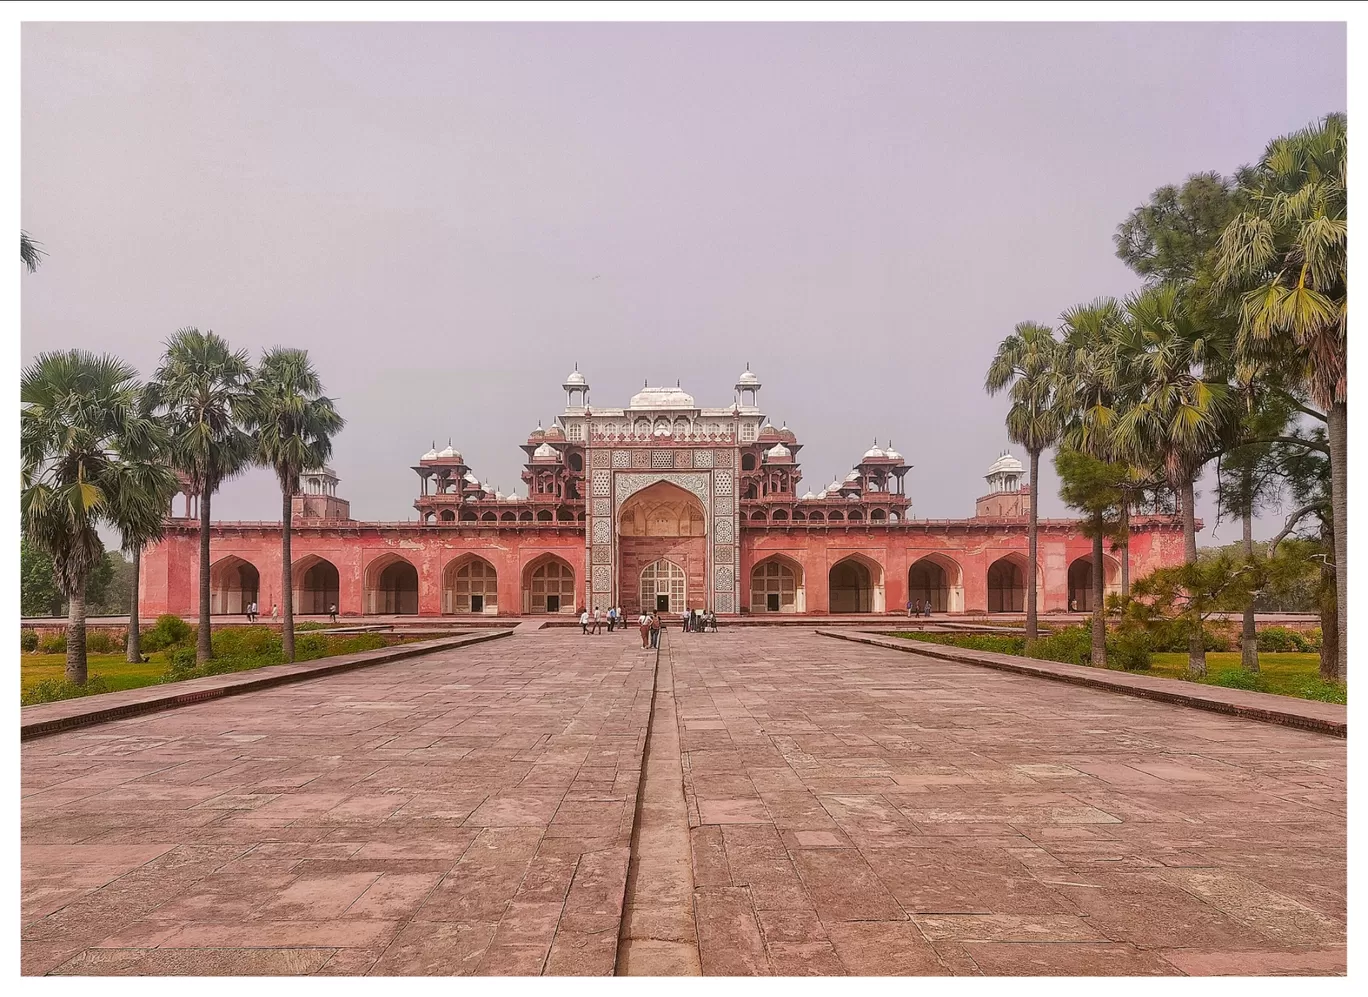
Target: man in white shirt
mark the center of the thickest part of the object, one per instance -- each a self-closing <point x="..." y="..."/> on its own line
<point x="584" y="622"/>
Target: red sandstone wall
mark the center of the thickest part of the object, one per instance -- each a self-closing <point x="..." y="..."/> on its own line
<point x="170" y="572"/>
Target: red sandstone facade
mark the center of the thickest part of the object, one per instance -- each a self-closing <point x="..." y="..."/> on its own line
<point x="662" y="504"/>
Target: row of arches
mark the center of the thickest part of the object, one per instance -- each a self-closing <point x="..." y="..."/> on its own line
<point x="855" y="584"/>
<point x="470" y="584"/>
<point x="507" y="516"/>
<point x="817" y="516"/>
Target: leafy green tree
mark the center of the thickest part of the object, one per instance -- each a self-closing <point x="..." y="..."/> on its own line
<point x="201" y="391"/>
<point x="1284" y="259"/>
<point x="1170" y="238"/>
<point x="294" y="425"/>
<point x="30" y="254"/>
<point x="1176" y="410"/>
<point x="38" y="591"/>
<point x="1095" y="488"/>
<point x="74" y="406"/>
<point x="1026" y="365"/>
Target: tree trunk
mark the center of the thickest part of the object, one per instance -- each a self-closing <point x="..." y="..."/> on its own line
<point x="134" y="639"/>
<point x="1099" y="615"/>
<point x="1032" y="551"/>
<point x="1196" y="644"/>
<point x="1249" y="637"/>
<point x="1329" y="613"/>
<point x="76" y="637"/>
<point x="204" y="648"/>
<point x="1337" y="428"/>
<point x="1125" y="547"/>
<point x="287" y="643"/>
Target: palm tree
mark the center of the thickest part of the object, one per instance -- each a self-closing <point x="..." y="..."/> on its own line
<point x="29" y="253"/>
<point x="1087" y="394"/>
<point x="147" y="485"/>
<point x="201" y="390"/>
<point x="1026" y="362"/>
<point x="294" y="425"/>
<point x="1284" y="258"/>
<point x="1178" y="409"/>
<point x="75" y="406"/>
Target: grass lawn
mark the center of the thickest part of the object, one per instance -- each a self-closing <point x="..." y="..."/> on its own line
<point x="1285" y="674"/>
<point x="118" y="673"/>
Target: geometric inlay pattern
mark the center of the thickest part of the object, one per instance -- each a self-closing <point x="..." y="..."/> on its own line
<point x="622" y="458"/>
<point x="722" y="533"/>
<point x="662" y="458"/>
<point x="603" y="531"/>
<point x="601" y="458"/>
<point x="703" y="458"/>
<point x="602" y="507"/>
<point x="722" y="482"/>
<point x="602" y="577"/>
<point x="603" y="553"/>
<point x="601" y="481"/>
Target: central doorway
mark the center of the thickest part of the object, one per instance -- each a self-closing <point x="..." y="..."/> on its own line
<point x="662" y="586"/>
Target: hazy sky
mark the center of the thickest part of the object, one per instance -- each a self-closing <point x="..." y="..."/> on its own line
<point x="449" y="216"/>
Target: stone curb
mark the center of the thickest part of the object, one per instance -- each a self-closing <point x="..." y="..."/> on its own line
<point x="1320" y="718"/>
<point x="43" y="719"/>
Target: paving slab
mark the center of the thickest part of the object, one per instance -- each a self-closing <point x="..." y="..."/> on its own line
<point x="858" y="809"/>
<point x="465" y="811"/>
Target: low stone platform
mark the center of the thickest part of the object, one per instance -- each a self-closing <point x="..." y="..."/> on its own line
<point x="67" y="714"/>
<point x="1323" y="718"/>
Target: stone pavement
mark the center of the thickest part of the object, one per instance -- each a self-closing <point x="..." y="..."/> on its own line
<point x="843" y="809"/>
<point x="465" y="812"/>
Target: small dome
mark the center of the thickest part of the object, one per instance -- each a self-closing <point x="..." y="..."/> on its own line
<point x="537" y="433"/>
<point x="747" y="379"/>
<point x="1006" y="464"/>
<point x="470" y="478"/>
<point x="498" y="495"/>
<point x="890" y="453"/>
<point x="575" y="378"/>
<point x="852" y="476"/>
<point x="874" y="452"/>
<point x="835" y="486"/>
<point x="786" y="434"/>
<point x="779" y="452"/>
<point x="430" y="455"/>
<point x="554" y="433"/>
<point x="546" y="452"/>
<point x="808" y="496"/>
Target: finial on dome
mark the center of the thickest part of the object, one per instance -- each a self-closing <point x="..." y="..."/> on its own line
<point x="676" y="382"/>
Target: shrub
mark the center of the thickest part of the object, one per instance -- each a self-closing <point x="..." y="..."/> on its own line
<point x="53" y="644"/>
<point x="1070" y="645"/>
<point x="353" y="645"/>
<point x="52" y="690"/>
<point x="245" y="642"/>
<point x="1313" y="639"/>
<point x="180" y="662"/>
<point x="102" y="642"/>
<point x="1325" y="692"/>
<point x="1282" y="639"/>
<point x="169" y="631"/>
<point x="997" y="643"/>
<point x="311" y="625"/>
<point x="28" y="640"/>
<point x="1171" y="636"/>
<point x="309" y="646"/>
<point x="1128" y="649"/>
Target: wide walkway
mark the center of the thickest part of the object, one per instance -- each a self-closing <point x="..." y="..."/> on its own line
<point x="843" y="808"/>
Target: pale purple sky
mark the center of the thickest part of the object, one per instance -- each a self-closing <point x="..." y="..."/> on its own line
<point x="449" y="216"/>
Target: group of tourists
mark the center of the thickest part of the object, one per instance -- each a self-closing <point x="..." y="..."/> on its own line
<point x="698" y="622"/>
<point x="918" y="608"/>
<point x="594" y="621"/>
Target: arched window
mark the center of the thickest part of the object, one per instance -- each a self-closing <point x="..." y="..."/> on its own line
<point x="780" y="515"/>
<point x="662" y="587"/>
<point x="448" y="516"/>
<point x="467" y="515"/>
<point x="748" y="462"/>
<point x="757" y="516"/>
<point x="471" y="587"/>
<point x="544" y="516"/>
<point x="576" y="462"/>
<point x="550" y="587"/>
<point x="488" y="517"/>
<point x="776" y="587"/>
<point x="1006" y="587"/>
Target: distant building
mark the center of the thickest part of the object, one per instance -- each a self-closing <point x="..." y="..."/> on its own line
<point x="661" y="504"/>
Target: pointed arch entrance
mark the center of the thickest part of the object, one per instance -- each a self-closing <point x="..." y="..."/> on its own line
<point x="549" y="586"/>
<point x="234" y="584"/>
<point x="391" y="587"/>
<point x="938" y="579"/>
<point x="664" y="587"/>
<point x="777" y="586"/>
<point x="317" y="586"/>
<point x="470" y="585"/>
<point x="855" y="585"/>
<point x="1007" y="585"/>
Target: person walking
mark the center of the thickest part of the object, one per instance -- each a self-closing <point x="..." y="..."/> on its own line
<point x="909" y="607"/>
<point x="928" y="609"/>
<point x="332" y="612"/>
<point x="644" y="625"/>
<point x="598" y="620"/>
<point x="655" y="630"/>
<point x="712" y="619"/>
<point x="275" y="612"/>
<point x="612" y="617"/>
<point x="584" y="622"/>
